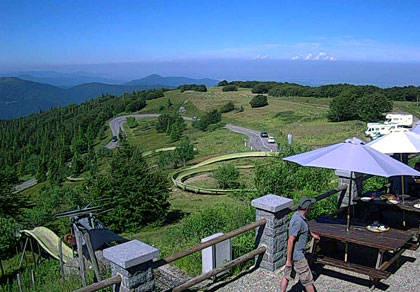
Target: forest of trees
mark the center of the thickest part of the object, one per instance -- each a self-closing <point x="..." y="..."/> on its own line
<point x="277" y="89"/>
<point x="59" y="143"/>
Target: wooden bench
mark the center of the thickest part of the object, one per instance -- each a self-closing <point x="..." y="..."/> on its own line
<point x="371" y="272"/>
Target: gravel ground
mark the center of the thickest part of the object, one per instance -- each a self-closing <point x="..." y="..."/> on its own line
<point x="406" y="278"/>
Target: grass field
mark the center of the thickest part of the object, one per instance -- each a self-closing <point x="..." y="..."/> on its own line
<point x="305" y="118"/>
<point x="206" y="143"/>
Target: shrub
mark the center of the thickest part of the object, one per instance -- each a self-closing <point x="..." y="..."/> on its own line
<point x="50" y="201"/>
<point x="223" y="83"/>
<point x="227" y="176"/>
<point x="165" y="122"/>
<point x="214" y="127"/>
<point x="184" y="151"/>
<point x="230" y="88"/>
<point x="214" y="219"/>
<point x="136" y="105"/>
<point x="195" y="87"/>
<point x="8" y="238"/>
<point x="212" y="117"/>
<point x="258" y="101"/>
<point x="227" y="107"/>
<point x="260" y="88"/>
<point x="132" y="122"/>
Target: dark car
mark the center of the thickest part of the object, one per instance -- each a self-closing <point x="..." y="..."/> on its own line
<point x="114" y="139"/>
<point x="264" y="134"/>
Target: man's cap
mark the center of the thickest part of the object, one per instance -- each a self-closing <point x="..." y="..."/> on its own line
<point x="305" y="202"/>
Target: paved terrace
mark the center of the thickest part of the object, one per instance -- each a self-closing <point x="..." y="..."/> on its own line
<point x="406" y="278"/>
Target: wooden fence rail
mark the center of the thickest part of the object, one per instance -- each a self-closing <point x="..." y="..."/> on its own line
<point x="101" y="285"/>
<point x="216" y="271"/>
<point x="206" y="244"/>
<point x="158" y="263"/>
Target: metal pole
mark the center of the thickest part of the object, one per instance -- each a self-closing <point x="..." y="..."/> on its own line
<point x="402" y="191"/>
<point x="348" y="215"/>
<point x="349" y="202"/>
<point x="60" y="257"/>
<point x="80" y="255"/>
<point x="92" y="255"/>
<point x="23" y="253"/>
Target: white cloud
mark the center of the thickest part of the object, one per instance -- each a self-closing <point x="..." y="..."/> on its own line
<point x="308" y="57"/>
<point x="259" y="57"/>
<point x="321" y="56"/>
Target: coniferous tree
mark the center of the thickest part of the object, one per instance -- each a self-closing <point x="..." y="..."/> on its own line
<point x="135" y="193"/>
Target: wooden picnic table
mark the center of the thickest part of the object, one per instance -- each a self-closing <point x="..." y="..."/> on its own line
<point x="407" y="206"/>
<point x="392" y="240"/>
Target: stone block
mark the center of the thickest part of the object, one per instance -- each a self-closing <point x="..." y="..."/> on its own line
<point x="272" y="203"/>
<point x="129" y="254"/>
<point x="272" y="266"/>
<point x="223" y="254"/>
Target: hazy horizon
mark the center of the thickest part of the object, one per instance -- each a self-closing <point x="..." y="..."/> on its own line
<point x="308" y="73"/>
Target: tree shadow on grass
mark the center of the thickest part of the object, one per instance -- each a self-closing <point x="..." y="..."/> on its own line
<point x="175" y="216"/>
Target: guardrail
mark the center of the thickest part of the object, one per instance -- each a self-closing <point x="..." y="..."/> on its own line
<point x="178" y="176"/>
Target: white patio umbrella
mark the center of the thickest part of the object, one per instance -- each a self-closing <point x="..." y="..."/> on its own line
<point x="400" y="142"/>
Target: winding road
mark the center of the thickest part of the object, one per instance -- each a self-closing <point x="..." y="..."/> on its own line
<point x="256" y="142"/>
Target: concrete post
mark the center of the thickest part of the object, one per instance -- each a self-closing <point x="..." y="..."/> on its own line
<point x="132" y="261"/>
<point x="274" y="234"/>
<point x="356" y="188"/>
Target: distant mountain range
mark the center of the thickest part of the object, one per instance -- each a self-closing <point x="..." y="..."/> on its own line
<point x="60" y="79"/>
<point x="19" y="97"/>
<point x="171" y="81"/>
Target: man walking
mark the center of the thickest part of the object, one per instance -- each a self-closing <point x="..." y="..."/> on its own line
<point x="298" y="237"/>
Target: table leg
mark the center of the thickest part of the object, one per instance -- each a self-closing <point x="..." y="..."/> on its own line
<point x="314" y="242"/>
<point x="379" y="259"/>
<point x="346" y="251"/>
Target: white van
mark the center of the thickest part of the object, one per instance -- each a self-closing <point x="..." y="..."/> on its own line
<point x="376" y="130"/>
<point x="399" y="119"/>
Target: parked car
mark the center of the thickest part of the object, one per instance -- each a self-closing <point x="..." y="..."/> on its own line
<point x="271" y="139"/>
<point x="114" y="139"/>
<point x="264" y="135"/>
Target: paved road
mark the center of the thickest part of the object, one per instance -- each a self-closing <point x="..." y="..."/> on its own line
<point x="255" y="141"/>
<point x="116" y="125"/>
<point x="26" y="184"/>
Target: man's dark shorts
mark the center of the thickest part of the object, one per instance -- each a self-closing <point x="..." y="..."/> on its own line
<point x="302" y="269"/>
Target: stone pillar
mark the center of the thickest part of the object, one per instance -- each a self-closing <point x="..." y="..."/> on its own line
<point x="132" y="261"/>
<point x="356" y="188"/>
<point x="274" y="234"/>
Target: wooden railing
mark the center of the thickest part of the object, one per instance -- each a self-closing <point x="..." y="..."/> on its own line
<point x="161" y="262"/>
<point x="201" y="246"/>
<point x="101" y="285"/>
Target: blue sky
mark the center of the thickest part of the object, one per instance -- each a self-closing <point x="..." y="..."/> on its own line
<point x="46" y="33"/>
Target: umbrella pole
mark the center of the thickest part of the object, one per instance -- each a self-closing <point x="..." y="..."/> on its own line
<point x="348" y="215"/>
<point x="402" y="192"/>
<point x="349" y="202"/>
